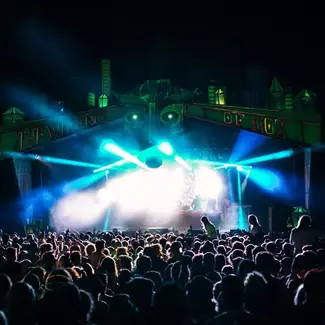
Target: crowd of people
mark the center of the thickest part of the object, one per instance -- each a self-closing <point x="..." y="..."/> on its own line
<point x="172" y="278"/>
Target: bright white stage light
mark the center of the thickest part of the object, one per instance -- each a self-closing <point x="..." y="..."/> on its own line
<point x="77" y="211"/>
<point x="102" y="194"/>
<point x="154" y="191"/>
<point x="105" y="195"/>
<point x="154" y="194"/>
<point x="166" y="148"/>
<point x="207" y="183"/>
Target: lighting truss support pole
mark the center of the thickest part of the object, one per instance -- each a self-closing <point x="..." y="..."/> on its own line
<point x="240" y="201"/>
<point x="270" y="219"/>
<point x="307" y="177"/>
<point x="151" y="118"/>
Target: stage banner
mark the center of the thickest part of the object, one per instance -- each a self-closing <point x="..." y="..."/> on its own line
<point x="23" y="170"/>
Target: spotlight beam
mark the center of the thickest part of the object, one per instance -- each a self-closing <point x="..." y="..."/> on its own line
<point x="110" y="166"/>
<point x="272" y="156"/>
<point x="118" y="151"/>
<point x="48" y="159"/>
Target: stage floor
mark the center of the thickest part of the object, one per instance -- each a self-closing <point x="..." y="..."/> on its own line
<point x="180" y="221"/>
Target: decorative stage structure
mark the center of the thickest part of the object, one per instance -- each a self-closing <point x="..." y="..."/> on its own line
<point x="158" y="104"/>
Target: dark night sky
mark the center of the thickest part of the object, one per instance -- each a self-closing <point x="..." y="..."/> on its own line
<point x="48" y="47"/>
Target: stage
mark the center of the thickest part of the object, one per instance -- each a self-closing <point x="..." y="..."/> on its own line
<point x="225" y="220"/>
<point x="180" y="220"/>
<point x="167" y="197"/>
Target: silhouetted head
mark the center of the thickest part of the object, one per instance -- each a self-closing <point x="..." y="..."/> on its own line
<point x="304" y="222"/>
<point x="253" y="220"/>
<point x="314" y="283"/>
<point x="205" y="220"/>
<point x="231" y="293"/>
<point x="199" y="291"/>
<point x="140" y="291"/>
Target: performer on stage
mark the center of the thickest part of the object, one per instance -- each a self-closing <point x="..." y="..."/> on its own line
<point x="197" y="204"/>
<point x="255" y="229"/>
<point x="209" y="207"/>
<point x="209" y="227"/>
<point x="254" y="225"/>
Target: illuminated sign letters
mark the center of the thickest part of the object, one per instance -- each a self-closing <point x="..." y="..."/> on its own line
<point x="256" y="123"/>
<point x="37" y="134"/>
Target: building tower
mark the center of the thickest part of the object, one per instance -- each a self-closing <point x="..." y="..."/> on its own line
<point x="276" y="95"/>
<point x="105" y="97"/>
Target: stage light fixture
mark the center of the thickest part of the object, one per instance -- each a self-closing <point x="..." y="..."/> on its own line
<point x="172" y="115"/>
<point x="134" y="120"/>
<point x="166" y="148"/>
<point x="154" y="162"/>
<point x="134" y="116"/>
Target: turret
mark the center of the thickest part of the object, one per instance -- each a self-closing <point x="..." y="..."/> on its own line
<point x="276" y="95"/>
<point x="105" y="97"/>
<point x="220" y="96"/>
<point x="212" y="88"/>
<point x="305" y="101"/>
<point x="91" y="100"/>
<point x="13" y="116"/>
<point x="288" y="100"/>
<point x="216" y="95"/>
